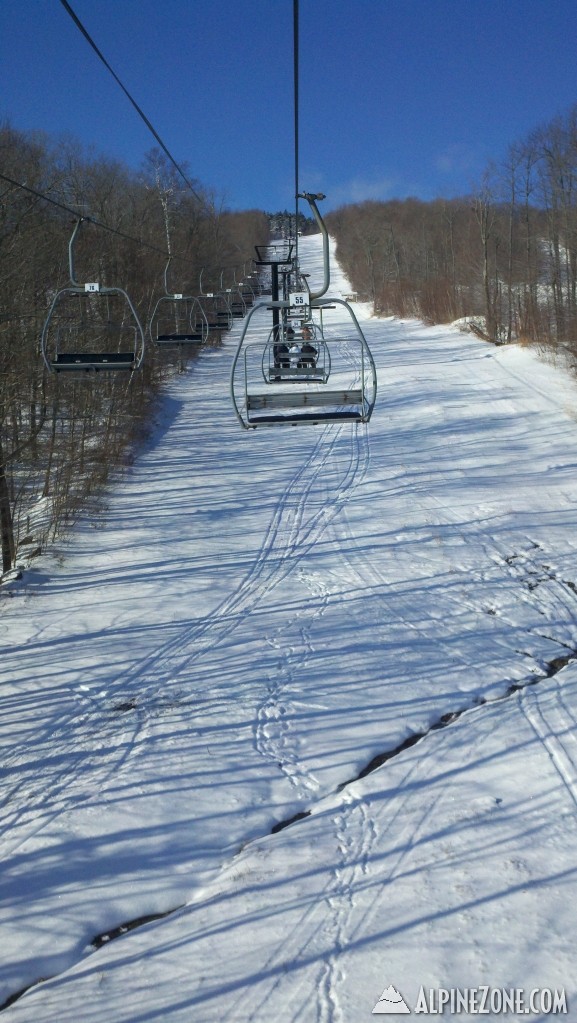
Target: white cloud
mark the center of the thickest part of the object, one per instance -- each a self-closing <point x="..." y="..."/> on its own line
<point x="458" y="158"/>
<point x="358" y="189"/>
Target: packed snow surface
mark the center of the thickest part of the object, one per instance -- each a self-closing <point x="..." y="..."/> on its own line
<point x="369" y="629"/>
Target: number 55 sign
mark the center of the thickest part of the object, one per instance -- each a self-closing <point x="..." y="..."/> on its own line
<point x="299" y="301"/>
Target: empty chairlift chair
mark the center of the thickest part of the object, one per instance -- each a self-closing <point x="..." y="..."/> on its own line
<point x="178" y="319"/>
<point x="91" y="327"/>
<point x="236" y="303"/>
<point x="216" y="309"/>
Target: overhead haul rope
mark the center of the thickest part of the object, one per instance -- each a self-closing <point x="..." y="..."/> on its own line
<point x="296" y="118"/>
<point x="68" y="209"/>
<point x="141" y="114"/>
<point x="106" y="227"/>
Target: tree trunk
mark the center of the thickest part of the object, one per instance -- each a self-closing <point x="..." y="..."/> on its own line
<point x="6" y="525"/>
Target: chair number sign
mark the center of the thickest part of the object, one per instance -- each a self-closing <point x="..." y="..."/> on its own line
<point x="299" y="301"/>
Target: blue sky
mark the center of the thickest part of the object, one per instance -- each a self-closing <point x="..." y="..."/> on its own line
<point x="397" y="97"/>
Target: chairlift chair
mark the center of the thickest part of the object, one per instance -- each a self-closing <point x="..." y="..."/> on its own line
<point x="298" y="390"/>
<point x="293" y="394"/>
<point x="247" y="293"/>
<point x="236" y="303"/>
<point x="178" y="319"/>
<point x="215" y="308"/>
<point x="218" y="311"/>
<point x="90" y="327"/>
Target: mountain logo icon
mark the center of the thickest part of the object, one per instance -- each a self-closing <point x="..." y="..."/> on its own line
<point x="391" y="1000"/>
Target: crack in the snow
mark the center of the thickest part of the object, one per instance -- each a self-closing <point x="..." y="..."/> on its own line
<point x="98" y="942"/>
<point x="281" y="825"/>
<point x="18" y="994"/>
<point x="116" y="932"/>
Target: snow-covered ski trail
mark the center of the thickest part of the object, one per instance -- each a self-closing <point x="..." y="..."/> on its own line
<point x="275" y="628"/>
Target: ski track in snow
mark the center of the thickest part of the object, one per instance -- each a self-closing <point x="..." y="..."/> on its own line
<point x="555" y="725"/>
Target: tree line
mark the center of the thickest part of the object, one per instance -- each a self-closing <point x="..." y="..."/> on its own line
<point x="282" y="224"/>
<point x="505" y="256"/>
<point x="61" y="436"/>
